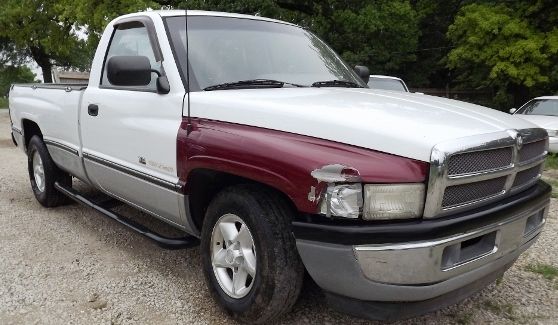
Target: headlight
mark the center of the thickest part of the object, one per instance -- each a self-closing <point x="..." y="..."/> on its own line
<point x="393" y="201"/>
<point x="552" y="133"/>
<point x="343" y="200"/>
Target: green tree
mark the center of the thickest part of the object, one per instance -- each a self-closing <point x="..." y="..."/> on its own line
<point x="43" y="32"/>
<point x="93" y="17"/>
<point x="434" y="18"/>
<point x="10" y="74"/>
<point x="498" y="46"/>
<point x="10" y="53"/>
<point x="381" y="34"/>
<point x="59" y="32"/>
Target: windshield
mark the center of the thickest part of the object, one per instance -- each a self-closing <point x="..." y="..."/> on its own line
<point x="226" y="50"/>
<point x="540" y="107"/>
<point x="386" y="84"/>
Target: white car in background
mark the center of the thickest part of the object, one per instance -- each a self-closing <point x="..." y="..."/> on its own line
<point x="542" y="111"/>
<point x="387" y="83"/>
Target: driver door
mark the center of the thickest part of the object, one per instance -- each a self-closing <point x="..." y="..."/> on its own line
<point x="129" y="133"/>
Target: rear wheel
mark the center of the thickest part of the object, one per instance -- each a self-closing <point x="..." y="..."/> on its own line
<point x="249" y="254"/>
<point x="43" y="173"/>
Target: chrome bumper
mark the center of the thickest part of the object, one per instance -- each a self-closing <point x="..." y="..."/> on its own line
<point x="414" y="271"/>
<point x="433" y="261"/>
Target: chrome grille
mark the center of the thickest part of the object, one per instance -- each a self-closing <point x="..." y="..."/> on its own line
<point x="526" y="176"/>
<point x="473" y="162"/>
<point x="532" y="150"/>
<point x="470" y="192"/>
<point x="468" y="172"/>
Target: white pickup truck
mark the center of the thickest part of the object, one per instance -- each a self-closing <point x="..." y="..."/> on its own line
<point x="258" y="142"/>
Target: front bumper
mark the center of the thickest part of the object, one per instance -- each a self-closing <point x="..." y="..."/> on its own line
<point x="436" y="259"/>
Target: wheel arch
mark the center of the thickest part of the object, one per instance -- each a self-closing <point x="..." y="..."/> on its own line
<point x="204" y="184"/>
<point x="30" y="129"/>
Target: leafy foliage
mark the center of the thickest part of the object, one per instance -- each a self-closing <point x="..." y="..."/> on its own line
<point x="42" y="31"/>
<point x="93" y="16"/>
<point x="380" y="34"/>
<point x="14" y="74"/>
<point x="495" y="46"/>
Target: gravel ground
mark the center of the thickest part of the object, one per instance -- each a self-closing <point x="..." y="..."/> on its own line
<point x="70" y="265"/>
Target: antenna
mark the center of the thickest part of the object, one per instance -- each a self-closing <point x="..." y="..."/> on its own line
<point x="189" y="127"/>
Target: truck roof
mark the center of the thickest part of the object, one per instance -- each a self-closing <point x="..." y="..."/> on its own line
<point x="384" y="77"/>
<point x="174" y="12"/>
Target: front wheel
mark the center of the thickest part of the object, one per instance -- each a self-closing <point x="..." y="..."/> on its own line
<point x="249" y="254"/>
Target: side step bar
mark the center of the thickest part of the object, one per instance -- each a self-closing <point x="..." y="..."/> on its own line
<point x="162" y="241"/>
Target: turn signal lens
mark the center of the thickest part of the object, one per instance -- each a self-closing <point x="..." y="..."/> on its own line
<point x="343" y="201"/>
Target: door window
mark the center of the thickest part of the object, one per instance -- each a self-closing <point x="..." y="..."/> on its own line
<point x="131" y="42"/>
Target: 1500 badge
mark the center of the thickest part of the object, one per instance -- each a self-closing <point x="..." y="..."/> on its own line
<point x="155" y="164"/>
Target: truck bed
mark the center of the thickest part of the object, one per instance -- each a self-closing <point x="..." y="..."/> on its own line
<point x="56" y="108"/>
<point x="71" y="86"/>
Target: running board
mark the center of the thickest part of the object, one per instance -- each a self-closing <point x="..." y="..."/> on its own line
<point x="162" y="241"/>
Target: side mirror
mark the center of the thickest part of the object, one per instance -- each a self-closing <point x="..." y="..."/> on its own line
<point x="163" y="86"/>
<point x="363" y="72"/>
<point x="513" y="110"/>
<point x="129" y="71"/>
<point x="134" y="71"/>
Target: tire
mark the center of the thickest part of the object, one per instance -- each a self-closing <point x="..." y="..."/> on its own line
<point x="279" y="271"/>
<point x="43" y="187"/>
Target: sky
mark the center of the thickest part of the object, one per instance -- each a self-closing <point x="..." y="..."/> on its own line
<point x="36" y="70"/>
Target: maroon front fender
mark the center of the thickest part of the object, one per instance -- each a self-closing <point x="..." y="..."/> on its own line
<point x="284" y="160"/>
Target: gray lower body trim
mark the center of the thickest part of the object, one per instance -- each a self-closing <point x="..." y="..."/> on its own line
<point x="162" y="202"/>
<point x="67" y="159"/>
<point x="61" y="146"/>
<point x="157" y="197"/>
<point x="148" y="178"/>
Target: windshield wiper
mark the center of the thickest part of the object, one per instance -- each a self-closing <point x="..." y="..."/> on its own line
<point x="336" y="83"/>
<point x="247" y="84"/>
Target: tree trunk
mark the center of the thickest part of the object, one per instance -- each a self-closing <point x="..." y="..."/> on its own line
<point x="47" y="73"/>
<point x="43" y="60"/>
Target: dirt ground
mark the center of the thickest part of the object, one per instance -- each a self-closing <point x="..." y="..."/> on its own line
<point x="69" y="265"/>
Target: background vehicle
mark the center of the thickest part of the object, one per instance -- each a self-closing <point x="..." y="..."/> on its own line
<point x="257" y="141"/>
<point x="387" y="83"/>
<point x="542" y="111"/>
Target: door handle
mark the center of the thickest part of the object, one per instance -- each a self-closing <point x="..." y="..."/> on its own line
<point x="93" y="110"/>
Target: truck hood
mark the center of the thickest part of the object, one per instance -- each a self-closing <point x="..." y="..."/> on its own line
<point x="403" y="124"/>
<point x="543" y="121"/>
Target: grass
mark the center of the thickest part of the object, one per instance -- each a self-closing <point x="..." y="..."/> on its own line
<point x="551" y="173"/>
<point x="499" y="281"/>
<point x="551" y="162"/>
<point x="3" y="102"/>
<point x="464" y="318"/>
<point x="554" y="183"/>
<point x="549" y="272"/>
<point x="505" y="310"/>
